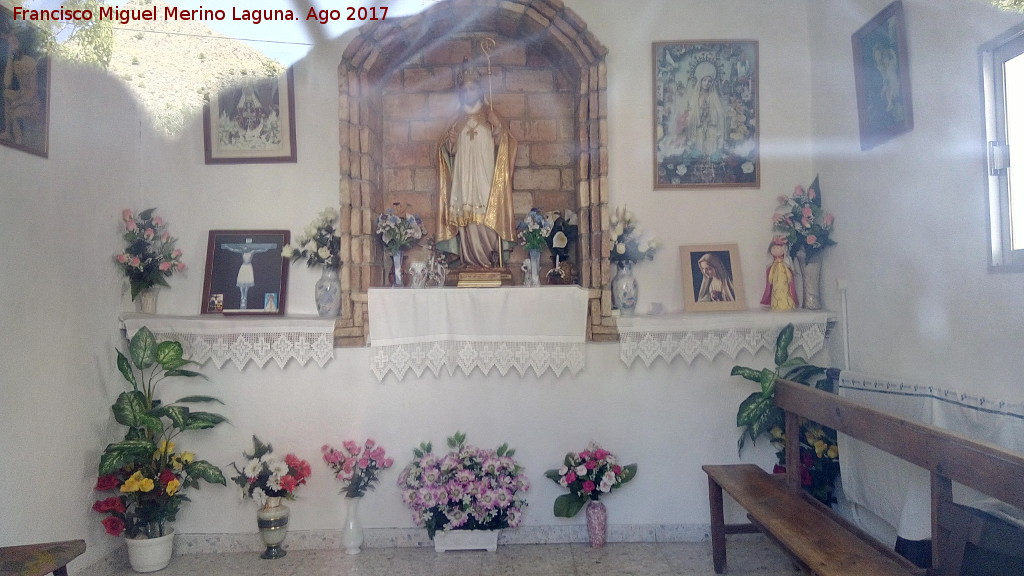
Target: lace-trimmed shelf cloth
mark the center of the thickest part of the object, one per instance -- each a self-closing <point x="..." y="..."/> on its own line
<point x="243" y="339"/>
<point x="689" y="336"/>
<point x="464" y="329"/>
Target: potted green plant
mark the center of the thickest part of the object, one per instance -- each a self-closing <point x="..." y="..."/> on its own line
<point x="759" y="416"/>
<point x="146" y="470"/>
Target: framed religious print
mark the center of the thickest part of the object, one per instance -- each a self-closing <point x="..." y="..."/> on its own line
<point x="245" y="272"/>
<point x="712" y="279"/>
<point x="24" y="86"/>
<point x="706" y="114"/>
<point x="251" y="122"/>
<point x="882" y="77"/>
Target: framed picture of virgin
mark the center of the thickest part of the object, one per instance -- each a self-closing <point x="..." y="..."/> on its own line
<point x="712" y="279"/>
<point x="24" y="86"/>
<point x="251" y="122"/>
<point x="706" y="114"/>
<point x="245" y="272"/>
<point x="883" y="80"/>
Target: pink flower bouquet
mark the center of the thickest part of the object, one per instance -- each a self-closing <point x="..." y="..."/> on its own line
<point x="587" y="475"/>
<point x="357" y="467"/>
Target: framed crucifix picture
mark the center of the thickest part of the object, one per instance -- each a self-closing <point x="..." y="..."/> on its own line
<point x="245" y="272"/>
<point x="706" y="114"/>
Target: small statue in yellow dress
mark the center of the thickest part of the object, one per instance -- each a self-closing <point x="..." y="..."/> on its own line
<point x="780" y="280"/>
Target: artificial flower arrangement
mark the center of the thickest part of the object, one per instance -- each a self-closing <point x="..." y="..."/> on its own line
<point x="358" y="467"/>
<point x="628" y="244"/>
<point x="149" y="256"/>
<point x="534" y="229"/>
<point x="819" y="459"/>
<point x="468" y="488"/>
<point x="320" y="244"/>
<point x="146" y="470"/>
<point x="803" y="222"/>
<point x="587" y="475"/>
<point x="266" y="475"/>
<point x="397" y="232"/>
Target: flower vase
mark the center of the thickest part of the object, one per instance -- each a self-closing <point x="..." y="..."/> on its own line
<point x="145" y="301"/>
<point x="150" y="554"/>
<point x="812" y="281"/>
<point x="272" y="520"/>
<point x="328" y="293"/>
<point x="624" y="288"/>
<point x="597" y="523"/>
<point x="534" y="267"/>
<point x="352" y="529"/>
<point x="397" y="257"/>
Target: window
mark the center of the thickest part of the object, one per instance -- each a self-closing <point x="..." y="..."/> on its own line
<point x="1003" y="76"/>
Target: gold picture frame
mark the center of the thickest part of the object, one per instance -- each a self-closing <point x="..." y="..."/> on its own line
<point x="712" y="278"/>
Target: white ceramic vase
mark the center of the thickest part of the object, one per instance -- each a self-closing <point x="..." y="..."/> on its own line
<point x="150" y="554"/>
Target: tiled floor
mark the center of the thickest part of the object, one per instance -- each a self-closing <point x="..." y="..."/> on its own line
<point x="748" y="555"/>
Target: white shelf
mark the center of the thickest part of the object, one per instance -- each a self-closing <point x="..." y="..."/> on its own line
<point x="242" y="339"/>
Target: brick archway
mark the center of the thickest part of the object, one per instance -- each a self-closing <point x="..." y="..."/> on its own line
<point x="396" y="92"/>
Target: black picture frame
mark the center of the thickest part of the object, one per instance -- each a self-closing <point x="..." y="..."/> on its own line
<point x="238" y="284"/>
<point x="24" y="86"/>
<point x="882" y="76"/>
<point x="252" y="122"/>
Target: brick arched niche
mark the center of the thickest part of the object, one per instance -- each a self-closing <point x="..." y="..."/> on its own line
<point x="397" y="92"/>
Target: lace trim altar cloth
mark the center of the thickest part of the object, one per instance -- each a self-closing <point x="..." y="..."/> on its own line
<point x="709" y="334"/>
<point x="242" y="339"/>
<point x="516" y="327"/>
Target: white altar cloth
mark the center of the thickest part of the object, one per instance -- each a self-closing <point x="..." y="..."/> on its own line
<point x="899" y="492"/>
<point x="709" y="334"/>
<point x="525" y="328"/>
<point x="242" y="339"/>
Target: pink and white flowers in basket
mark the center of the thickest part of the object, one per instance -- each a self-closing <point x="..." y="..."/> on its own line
<point x="358" y="467"/>
<point x="467" y="489"/>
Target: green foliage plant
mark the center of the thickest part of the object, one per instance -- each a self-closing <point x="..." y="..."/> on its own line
<point x="148" y="475"/>
<point x="758" y="414"/>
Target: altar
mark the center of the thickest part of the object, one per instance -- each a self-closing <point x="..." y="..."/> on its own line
<point x="464" y="329"/>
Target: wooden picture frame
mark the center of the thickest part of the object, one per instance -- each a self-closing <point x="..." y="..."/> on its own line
<point x="701" y="293"/>
<point x="24" y="86"/>
<point x="252" y="122"/>
<point x="884" y="103"/>
<point x="706" y="126"/>
<point x="245" y="272"/>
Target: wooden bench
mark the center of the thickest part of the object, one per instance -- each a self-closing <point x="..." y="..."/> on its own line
<point x="824" y="543"/>
<point x="39" y="559"/>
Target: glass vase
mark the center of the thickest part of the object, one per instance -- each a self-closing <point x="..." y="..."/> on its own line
<point x="397" y="258"/>
<point x="534" y="267"/>
<point x="597" y="523"/>
<point x="352" y="529"/>
<point x="328" y="293"/>
<point x="272" y="520"/>
<point x="624" y="288"/>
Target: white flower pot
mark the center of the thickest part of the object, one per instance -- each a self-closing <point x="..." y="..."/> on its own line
<point x="150" y="554"/>
<point x="466" y="540"/>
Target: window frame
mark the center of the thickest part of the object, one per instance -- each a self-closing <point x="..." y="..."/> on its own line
<point x="1003" y="258"/>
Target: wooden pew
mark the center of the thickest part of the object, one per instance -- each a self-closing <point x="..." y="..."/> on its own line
<point x="823" y="542"/>
<point x="39" y="559"/>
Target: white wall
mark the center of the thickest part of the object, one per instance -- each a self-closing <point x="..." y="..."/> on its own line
<point x="899" y="225"/>
<point x="911" y="213"/>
